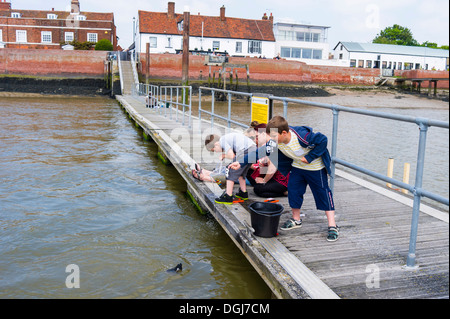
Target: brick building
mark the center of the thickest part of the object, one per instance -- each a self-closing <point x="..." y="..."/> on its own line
<point x="48" y="29"/>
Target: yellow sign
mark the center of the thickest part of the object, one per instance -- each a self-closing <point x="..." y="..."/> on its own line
<point x="260" y="109"/>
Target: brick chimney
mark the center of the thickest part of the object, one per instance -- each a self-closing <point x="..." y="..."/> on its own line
<point x="171" y="10"/>
<point x="222" y="13"/>
<point x="5" y="5"/>
<point x="271" y="17"/>
<point x="74" y="6"/>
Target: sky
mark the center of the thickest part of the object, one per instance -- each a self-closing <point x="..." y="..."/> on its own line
<point x="349" y="20"/>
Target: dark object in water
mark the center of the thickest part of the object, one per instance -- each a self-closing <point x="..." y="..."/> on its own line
<point x="177" y="268"/>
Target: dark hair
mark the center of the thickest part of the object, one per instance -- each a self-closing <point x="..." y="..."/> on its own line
<point x="210" y="141"/>
<point x="279" y="123"/>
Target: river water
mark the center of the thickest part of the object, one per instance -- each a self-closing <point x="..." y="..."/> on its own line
<point x="79" y="186"/>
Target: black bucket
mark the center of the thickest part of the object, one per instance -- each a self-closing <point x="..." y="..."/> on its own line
<point x="265" y="218"/>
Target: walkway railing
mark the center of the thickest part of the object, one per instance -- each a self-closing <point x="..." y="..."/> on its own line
<point x="423" y="124"/>
<point x="169" y="100"/>
<point x="212" y="114"/>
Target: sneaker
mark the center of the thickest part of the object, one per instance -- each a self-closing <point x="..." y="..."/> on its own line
<point x="224" y="199"/>
<point x="291" y="224"/>
<point x="242" y="195"/>
<point x="333" y="233"/>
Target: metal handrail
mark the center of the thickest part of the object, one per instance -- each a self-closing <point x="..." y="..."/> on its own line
<point x="212" y="114"/>
<point x="159" y="98"/>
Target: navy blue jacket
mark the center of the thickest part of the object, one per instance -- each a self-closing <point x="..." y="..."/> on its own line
<point x="316" y="142"/>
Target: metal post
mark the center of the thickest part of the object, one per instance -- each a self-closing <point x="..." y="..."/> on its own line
<point x="334" y="146"/>
<point x="200" y="110"/>
<point x="212" y="109"/>
<point x="229" y="110"/>
<point x="411" y="260"/>
<point x="285" y="108"/>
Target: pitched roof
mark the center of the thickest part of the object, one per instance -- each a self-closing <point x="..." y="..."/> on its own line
<point x="213" y="27"/>
<point x="394" y="49"/>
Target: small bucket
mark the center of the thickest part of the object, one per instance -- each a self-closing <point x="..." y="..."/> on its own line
<point x="265" y="218"/>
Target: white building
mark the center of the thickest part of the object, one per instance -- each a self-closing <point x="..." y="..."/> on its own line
<point x="302" y="42"/>
<point x="393" y="57"/>
<point x="236" y="37"/>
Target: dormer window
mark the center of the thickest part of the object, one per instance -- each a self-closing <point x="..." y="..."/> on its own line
<point x="180" y="25"/>
<point x="52" y="16"/>
<point x="15" y="15"/>
<point x="81" y="17"/>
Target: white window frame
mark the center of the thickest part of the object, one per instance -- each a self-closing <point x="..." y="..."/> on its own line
<point x="238" y="46"/>
<point x="95" y="35"/>
<point x="254" y="46"/>
<point x="46" y="36"/>
<point x="69" y="36"/>
<point x="216" y="45"/>
<point x="52" y="16"/>
<point x="1" y="35"/>
<point x="15" y="15"/>
<point x="169" y="42"/>
<point x="81" y="17"/>
<point x="153" y="42"/>
<point x="21" y="36"/>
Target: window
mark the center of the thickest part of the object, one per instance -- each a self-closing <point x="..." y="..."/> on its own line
<point x="238" y="47"/>
<point x="153" y="42"/>
<point x="341" y="56"/>
<point x="307" y="37"/>
<point x="352" y="63"/>
<point x="315" y="37"/>
<point x="180" y="25"/>
<point x="300" y="36"/>
<point x="81" y="18"/>
<point x="15" y="15"/>
<point x="1" y="35"/>
<point x="46" y="37"/>
<point x="52" y="16"/>
<point x="92" y="37"/>
<point x="285" y="52"/>
<point x="369" y="64"/>
<point x="317" y="54"/>
<point x="216" y="45"/>
<point x="169" y="42"/>
<point x="307" y="53"/>
<point x="254" y="46"/>
<point x="296" y="53"/>
<point x="21" y="36"/>
<point x="68" y="36"/>
<point x="399" y="65"/>
<point x="384" y="65"/>
<point x="417" y="67"/>
<point x="360" y="63"/>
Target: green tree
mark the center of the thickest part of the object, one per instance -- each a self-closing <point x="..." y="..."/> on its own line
<point x="396" y="35"/>
<point x="104" y="45"/>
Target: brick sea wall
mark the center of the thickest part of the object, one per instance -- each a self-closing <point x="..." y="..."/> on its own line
<point x="60" y="63"/>
<point x="168" y="66"/>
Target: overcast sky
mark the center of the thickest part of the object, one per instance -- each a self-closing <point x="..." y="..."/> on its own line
<point x="350" y="20"/>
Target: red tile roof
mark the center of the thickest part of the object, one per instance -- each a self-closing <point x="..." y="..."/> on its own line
<point x="213" y="27"/>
